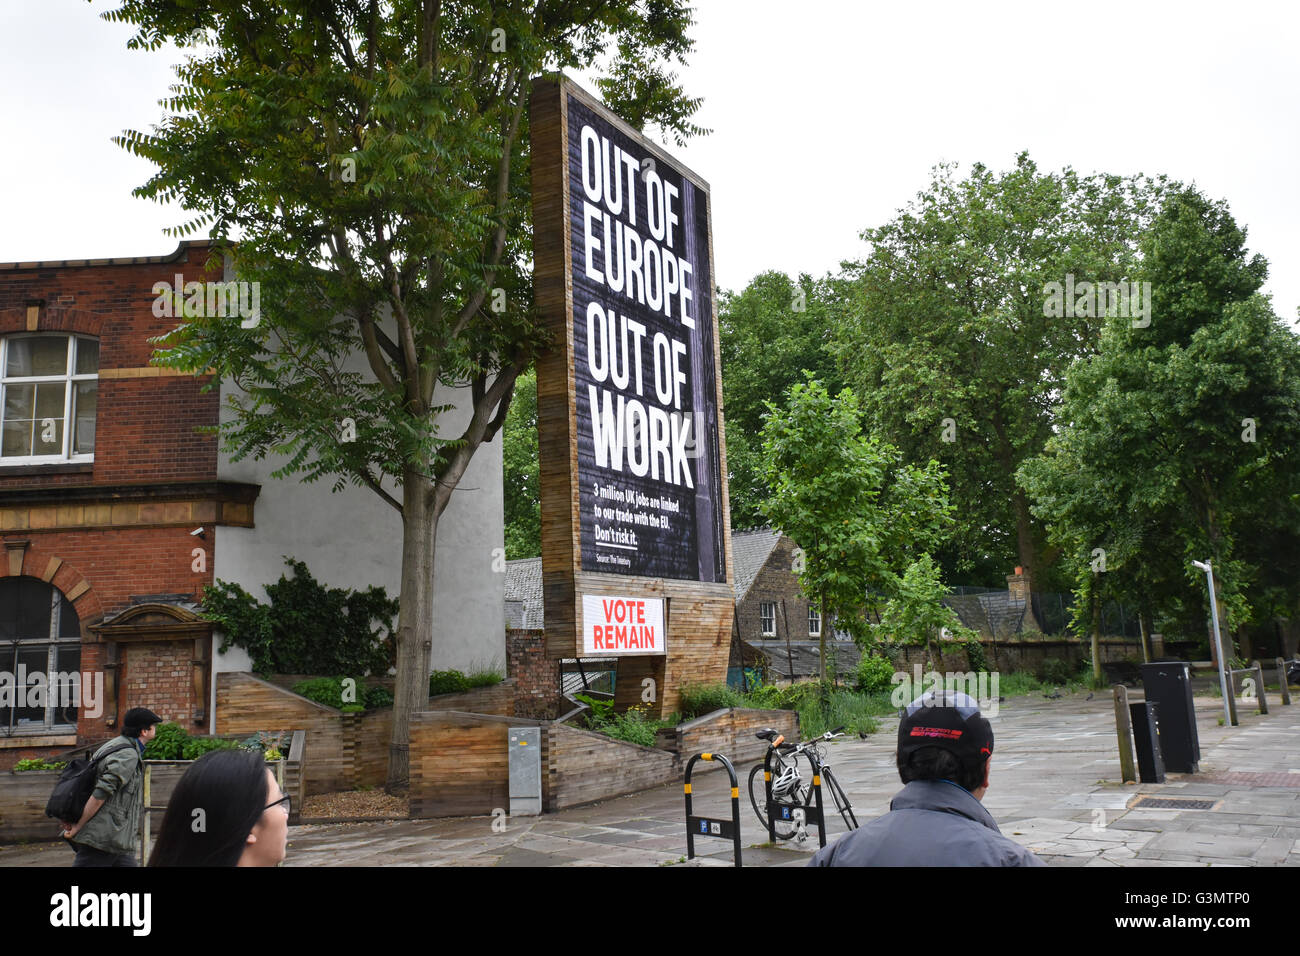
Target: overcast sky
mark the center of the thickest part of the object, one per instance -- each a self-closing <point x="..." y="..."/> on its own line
<point x="827" y="117"/>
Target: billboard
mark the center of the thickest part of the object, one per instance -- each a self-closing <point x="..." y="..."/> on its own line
<point x="631" y="445"/>
<point x="649" y="474"/>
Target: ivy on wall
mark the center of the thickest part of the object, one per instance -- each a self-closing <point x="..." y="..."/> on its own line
<point x="307" y="628"/>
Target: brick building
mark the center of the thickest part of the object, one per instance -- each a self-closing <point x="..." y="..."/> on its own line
<point x="115" y="512"/>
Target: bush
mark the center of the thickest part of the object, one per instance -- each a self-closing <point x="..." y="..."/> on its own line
<point x="37" y="763"/>
<point x="376" y="697"/>
<point x="167" y="743"/>
<point x="699" y="699"/>
<point x="975" y="656"/>
<point x="323" y="690"/>
<point x="1056" y="671"/>
<point x="874" y="674"/>
<point x="196" y="747"/>
<point x="447" y="682"/>
<point x="484" y="678"/>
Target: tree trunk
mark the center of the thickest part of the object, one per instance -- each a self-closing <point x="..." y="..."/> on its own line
<point x="414" y="621"/>
<point x="1096" y="635"/>
<point x="821" y="638"/>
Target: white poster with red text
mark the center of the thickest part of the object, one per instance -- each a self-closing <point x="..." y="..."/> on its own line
<point x="614" y="625"/>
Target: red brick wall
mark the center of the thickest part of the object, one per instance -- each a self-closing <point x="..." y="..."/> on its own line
<point x="145" y="434"/>
<point x="145" y="426"/>
<point x="159" y="676"/>
<point x="537" y="680"/>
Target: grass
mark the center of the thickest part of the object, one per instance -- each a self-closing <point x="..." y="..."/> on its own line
<point x="818" y="712"/>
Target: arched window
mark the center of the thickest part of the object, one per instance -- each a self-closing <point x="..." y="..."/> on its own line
<point x="40" y="650"/>
<point x="47" y="409"/>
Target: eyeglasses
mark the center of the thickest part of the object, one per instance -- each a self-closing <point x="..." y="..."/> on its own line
<point x="286" y="801"/>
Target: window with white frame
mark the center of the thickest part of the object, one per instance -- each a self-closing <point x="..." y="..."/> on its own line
<point x="40" y="650"/>
<point x="814" y="622"/>
<point x="47" y="406"/>
<point x="767" y="618"/>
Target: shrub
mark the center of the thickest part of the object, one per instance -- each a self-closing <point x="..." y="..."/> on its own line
<point x="196" y="747"/>
<point x="874" y="674"/>
<point x="167" y="743"/>
<point x="323" y="690"/>
<point x="1056" y="671"/>
<point x="447" y="682"/>
<point x="37" y="763"/>
<point x="975" y="656"/>
<point x="699" y="699"/>
<point x="487" y="677"/>
<point x="376" y="697"/>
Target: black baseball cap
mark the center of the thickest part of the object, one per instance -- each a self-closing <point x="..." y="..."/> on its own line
<point x="138" y="718"/>
<point x="947" y="719"/>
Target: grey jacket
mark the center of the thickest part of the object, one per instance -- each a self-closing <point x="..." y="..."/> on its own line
<point x="930" y="823"/>
<point x="120" y="785"/>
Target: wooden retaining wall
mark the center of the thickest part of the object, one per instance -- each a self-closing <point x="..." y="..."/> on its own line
<point x="731" y="733"/>
<point x="583" y="767"/>
<point x="460" y="763"/>
<point x="348" y="750"/>
<point x="23" y="796"/>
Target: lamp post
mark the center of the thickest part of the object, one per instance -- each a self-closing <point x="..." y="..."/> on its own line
<point x="1218" y="641"/>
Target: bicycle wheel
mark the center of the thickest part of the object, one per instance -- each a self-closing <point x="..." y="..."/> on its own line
<point x="829" y="783"/>
<point x="796" y="796"/>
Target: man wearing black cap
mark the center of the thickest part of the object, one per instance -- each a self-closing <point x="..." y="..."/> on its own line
<point x="944" y="750"/>
<point x="105" y="834"/>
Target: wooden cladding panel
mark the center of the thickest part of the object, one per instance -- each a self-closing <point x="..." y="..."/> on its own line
<point x="585" y="767"/>
<point x="700" y="614"/>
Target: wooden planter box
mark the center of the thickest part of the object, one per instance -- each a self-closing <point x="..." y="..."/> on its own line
<point x="23" y="795"/>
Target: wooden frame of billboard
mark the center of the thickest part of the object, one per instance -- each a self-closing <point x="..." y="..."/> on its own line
<point x="698" y="615"/>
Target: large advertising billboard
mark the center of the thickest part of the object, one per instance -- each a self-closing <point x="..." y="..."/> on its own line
<point x="649" y="484"/>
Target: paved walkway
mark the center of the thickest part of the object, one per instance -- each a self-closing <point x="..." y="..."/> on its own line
<point x="1053" y="787"/>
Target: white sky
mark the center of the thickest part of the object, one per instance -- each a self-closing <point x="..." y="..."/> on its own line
<point x="827" y="117"/>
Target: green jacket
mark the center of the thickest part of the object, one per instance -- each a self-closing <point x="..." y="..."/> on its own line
<point x="121" y="786"/>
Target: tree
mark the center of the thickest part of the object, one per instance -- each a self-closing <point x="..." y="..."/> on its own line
<point x="520" y="472"/>
<point x="1180" y="440"/>
<point x="949" y="338"/>
<point x="770" y="334"/>
<point x="371" y="158"/>
<point x="858" y="516"/>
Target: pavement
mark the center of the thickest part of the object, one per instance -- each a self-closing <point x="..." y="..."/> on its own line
<point x="1054" y="787"/>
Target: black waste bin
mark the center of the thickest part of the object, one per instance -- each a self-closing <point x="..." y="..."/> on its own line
<point x="1146" y="734"/>
<point x="1168" y="684"/>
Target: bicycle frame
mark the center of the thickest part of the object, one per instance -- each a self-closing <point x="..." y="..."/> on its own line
<point x="820" y="769"/>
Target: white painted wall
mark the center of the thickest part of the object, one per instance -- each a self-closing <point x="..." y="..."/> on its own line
<point x="353" y="539"/>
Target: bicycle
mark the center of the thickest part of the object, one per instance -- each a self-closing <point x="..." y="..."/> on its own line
<point x="793" y="767"/>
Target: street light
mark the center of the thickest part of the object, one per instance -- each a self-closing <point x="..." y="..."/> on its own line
<point x="1218" y="641"/>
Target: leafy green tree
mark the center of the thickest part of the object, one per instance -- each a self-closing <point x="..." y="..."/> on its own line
<point x="521" y="472"/>
<point x="915" y="612"/>
<point x="947" y="335"/>
<point x="770" y="333"/>
<point x="371" y="159"/>
<point x="1180" y="440"/>
<point x="857" y="514"/>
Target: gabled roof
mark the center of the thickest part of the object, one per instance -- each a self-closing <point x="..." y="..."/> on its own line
<point x="524" y="608"/>
<point x="749" y="552"/>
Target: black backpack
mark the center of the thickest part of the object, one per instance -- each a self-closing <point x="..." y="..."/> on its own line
<point x="76" y="785"/>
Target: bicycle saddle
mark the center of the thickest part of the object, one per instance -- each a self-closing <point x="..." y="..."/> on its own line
<point x="767" y="733"/>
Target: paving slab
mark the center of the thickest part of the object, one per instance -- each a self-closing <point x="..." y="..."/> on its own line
<point x="1054" y="787"/>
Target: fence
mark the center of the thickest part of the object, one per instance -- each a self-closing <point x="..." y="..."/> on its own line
<point x="997" y="614"/>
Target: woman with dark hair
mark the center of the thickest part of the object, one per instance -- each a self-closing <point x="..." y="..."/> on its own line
<point x="227" y="810"/>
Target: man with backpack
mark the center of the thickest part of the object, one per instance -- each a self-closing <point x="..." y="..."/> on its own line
<point x="105" y="834"/>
